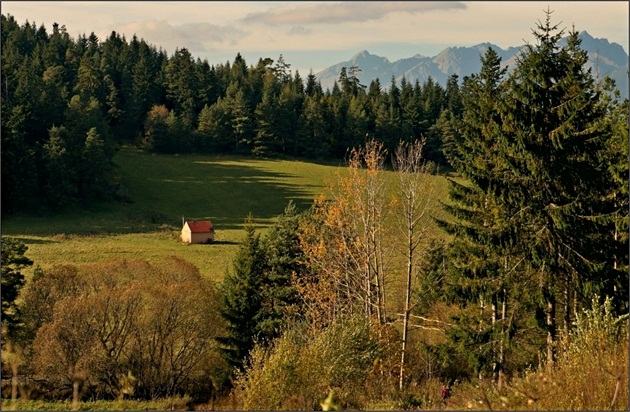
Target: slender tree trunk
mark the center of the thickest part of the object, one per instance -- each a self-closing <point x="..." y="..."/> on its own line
<point x="551" y="331"/>
<point x="615" y="233"/>
<point x="495" y="363"/>
<point x="414" y="192"/>
<point x="616" y="238"/>
<point x="567" y="310"/>
<point x="407" y="306"/>
<point x="76" y="383"/>
<point x="614" y="399"/>
<point x="503" y="337"/>
<point x="14" y="381"/>
<point x="482" y="306"/>
<point x="374" y="251"/>
<point x="379" y="301"/>
<point x="368" y="292"/>
<point x="380" y="273"/>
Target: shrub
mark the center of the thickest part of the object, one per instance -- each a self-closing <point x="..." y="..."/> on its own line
<point x="303" y="367"/>
<point x="590" y="374"/>
<point x="94" y="324"/>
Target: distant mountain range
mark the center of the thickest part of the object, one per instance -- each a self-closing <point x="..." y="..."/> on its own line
<point x="605" y="58"/>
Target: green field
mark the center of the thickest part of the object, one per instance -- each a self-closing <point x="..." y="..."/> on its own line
<point x="162" y="189"/>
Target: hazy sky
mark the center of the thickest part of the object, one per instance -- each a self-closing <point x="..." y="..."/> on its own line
<point x="315" y="34"/>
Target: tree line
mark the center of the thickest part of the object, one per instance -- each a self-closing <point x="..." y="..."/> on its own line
<point x="69" y="103"/>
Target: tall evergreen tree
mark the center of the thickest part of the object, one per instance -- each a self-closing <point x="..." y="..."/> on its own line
<point x="182" y="87"/>
<point x="267" y="116"/>
<point x="313" y="128"/>
<point x="94" y="168"/>
<point x="241" y="118"/>
<point x="13" y="261"/>
<point x="479" y="256"/>
<point x="616" y="159"/>
<point x="285" y="259"/>
<point x="537" y="205"/>
<point x="242" y="300"/>
<point x="61" y="186"/>
<point x="312" y="86"/>
<point x="553" y="143"/>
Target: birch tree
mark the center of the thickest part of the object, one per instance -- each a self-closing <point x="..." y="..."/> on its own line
<point x="416" y="193"/>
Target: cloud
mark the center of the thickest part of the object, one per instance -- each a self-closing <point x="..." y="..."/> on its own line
<point x="345" y="12"/>
<point x="299" y="30"/>
<point x="196" y="37"/>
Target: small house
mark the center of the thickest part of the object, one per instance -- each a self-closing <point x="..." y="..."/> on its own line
<point x="199" y="231"/>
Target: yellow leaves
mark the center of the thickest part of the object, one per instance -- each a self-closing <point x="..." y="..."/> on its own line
<point x="127" y="384"/>
<point x="329" y="403"/>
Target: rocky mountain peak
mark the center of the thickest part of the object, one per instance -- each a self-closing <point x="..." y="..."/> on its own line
<point x="609" y="59"/>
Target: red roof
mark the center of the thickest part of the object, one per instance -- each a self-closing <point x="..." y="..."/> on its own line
<point x="200" y="226"/>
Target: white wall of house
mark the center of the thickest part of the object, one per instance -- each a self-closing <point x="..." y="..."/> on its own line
<point x="186" y="235"/>
<point x="189" y="237"/>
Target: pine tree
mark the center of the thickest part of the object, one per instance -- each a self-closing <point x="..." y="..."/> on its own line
<point x="94" y="167"/>
<point x="478" y="256"/>
<point x="552" y="146"/>
<point x="242" y="300"/>
<point x="267" y="116"/>
<point x="13" y="261"/>
<point x="182" y="86"/>
<point x="312" y="128"/>
<point x="285" y="260"/>
<point x="616" y="159"/>
<point x="241" y="116"/>
<point x="61" y="185"/>
<point x="290" y="103"/>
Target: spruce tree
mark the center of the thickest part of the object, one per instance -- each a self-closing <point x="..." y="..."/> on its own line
<point x="537" y="204"/>
<point x="266" y="116"/>
<point x="479" y="255"/>
<point x="13" y="261"/>
<point x="552" y="146"/>
<point x="242" y="300"/>
<point x="285" y="259"/>
<point x="61" y="184"/>
<point x="616" y="160"/>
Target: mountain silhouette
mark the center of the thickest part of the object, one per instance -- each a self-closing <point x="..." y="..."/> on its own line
<point x="605" y="59"/>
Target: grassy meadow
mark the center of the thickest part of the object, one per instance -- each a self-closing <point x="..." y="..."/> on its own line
<point x="163" y="188"/>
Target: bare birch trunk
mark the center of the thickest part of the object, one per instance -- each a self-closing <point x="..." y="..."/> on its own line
<point x="567" y="310"/>
<point x="495" y="363"/>
<point x="415" y="191"/>
<point x="551" y="331"/>
<point x="407" y="307"/>
<point x="482" y="307"/>
<point x="502" y="341"/>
